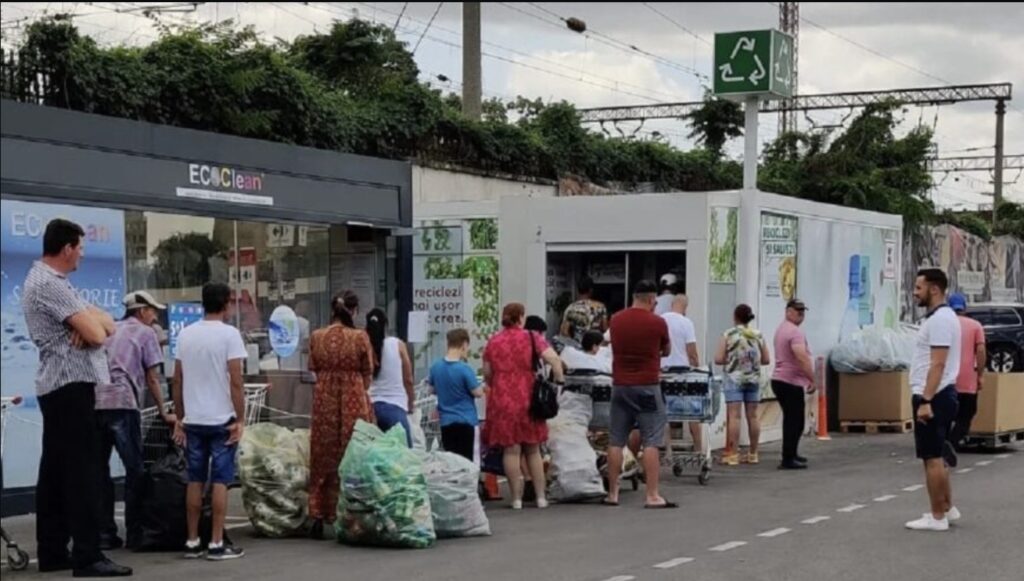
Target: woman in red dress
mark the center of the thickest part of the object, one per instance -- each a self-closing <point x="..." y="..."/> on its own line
<point x="342" y="358"/>
<point x="509" y="373"/>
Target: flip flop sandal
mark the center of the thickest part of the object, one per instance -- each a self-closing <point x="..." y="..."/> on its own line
<point x="606" y="502"/>
<point x="668" y="504"/>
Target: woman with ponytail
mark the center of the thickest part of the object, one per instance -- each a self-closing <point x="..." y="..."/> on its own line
<point x="342" y="359"/>
<point x="391" y="391"/>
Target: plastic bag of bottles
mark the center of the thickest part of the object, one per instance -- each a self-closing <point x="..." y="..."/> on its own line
<point x="384" y="499"/>
<point x="273" y="467"/>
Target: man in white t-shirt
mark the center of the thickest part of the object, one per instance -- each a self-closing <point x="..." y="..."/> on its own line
<point x="683" y="337"/>
<point x="933" y="374"/>
<point x="209" y="400"/>
<point x="667" y="289"/>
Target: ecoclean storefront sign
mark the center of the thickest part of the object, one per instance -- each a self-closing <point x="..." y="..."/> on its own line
<point x="224" y="184"/>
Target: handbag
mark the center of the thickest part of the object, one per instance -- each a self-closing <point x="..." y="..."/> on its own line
<point x="544" y="400"/>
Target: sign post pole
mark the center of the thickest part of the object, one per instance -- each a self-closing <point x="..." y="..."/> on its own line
<point x="750" y="145"/>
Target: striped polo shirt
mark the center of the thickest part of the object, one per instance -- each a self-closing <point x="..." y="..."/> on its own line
<point x="48" y="301"/>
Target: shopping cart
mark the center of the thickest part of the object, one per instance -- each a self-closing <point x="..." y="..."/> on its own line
<point x="156" y="433"/>
<point x="691" y="395"/>
<point x="17" y="557"/>
<point x="598" y="387"/>
<point x="429" y="418"/>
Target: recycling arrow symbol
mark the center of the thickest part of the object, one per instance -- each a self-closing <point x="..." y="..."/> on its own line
<point x="728" y="75"/>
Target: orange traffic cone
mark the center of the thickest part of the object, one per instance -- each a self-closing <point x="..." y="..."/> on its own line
<point x="822" y="402"/>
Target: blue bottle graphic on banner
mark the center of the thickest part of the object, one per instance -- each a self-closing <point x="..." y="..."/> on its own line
<point x="851" y="316"/>
<point x="284" y="331"/>
<point x="179" y="316"/>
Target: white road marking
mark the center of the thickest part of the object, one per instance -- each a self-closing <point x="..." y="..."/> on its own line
<point x="851" y="508"/>
<point x="964" y="470"/>
<point x="674" y="563"/>
<point x="815" y="520"/>
<point x="728" y="546"/>
<point x="913" y="488"/>
<point x="621" y="578"/>
<point x="983" y="463"/>
<point x="1003" y="456"/>
<point x="236" y="526"/>
<point x="774" y="533"/>
<point x="885" y="498"/>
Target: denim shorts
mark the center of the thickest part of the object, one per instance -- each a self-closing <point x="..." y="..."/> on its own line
<point x="742" y="392"/>
<point x="209" y="457"/>
<point x="641" y="407"/>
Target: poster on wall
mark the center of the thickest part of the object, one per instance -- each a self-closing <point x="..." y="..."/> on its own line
<point x="280" y="236"/>
<point x="244" y="271"/>
<point x="99" y="280"/>
<point x="844" y="282"/>
<point x="778" y="257"/>
<point x="722" y="237"/>
<point x="455" y="281"/>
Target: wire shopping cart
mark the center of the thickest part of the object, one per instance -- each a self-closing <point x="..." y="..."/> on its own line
<point x="17" y="557"/>
<point x="429" y="418"/>
<point x="156" y="433"/>
<point x="692" y="395"/>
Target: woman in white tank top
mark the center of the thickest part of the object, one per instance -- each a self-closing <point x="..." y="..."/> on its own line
<point x="391" y="390"/>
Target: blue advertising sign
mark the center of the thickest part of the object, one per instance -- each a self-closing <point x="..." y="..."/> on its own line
<point x="179" y="316"/>
<point x="99" y="280"/>
<point x="284" y="331"/>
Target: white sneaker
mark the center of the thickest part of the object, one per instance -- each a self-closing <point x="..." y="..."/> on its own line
<point x="517" y="505"/>
<point x="953" y="515"/>
<point x="928" y="523"/>
<point x="542" y="503"/>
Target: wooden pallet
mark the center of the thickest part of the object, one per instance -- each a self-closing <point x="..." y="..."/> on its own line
<point x="876" y="427"/>
<point x="996" y="440"/>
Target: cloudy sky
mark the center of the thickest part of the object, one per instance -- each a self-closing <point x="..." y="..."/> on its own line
<point x="529" y="51"/>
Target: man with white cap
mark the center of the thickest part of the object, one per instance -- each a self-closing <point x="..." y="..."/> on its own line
<point x="134" y="358"/>
<point x="667" y="287"/>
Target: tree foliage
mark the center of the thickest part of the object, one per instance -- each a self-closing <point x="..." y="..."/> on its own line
<point x="355" y="89"/>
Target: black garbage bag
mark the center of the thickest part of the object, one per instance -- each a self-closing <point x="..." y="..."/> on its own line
<point x="162" y="508"/>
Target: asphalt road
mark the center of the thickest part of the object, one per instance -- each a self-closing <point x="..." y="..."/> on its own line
<point x="843" y="519"/>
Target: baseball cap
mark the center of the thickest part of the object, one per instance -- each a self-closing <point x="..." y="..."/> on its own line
<point x="958" y="302"/>
<point x="797" y="304"/>
<point x="668" y="279"/>
<point x="140" y="299"/>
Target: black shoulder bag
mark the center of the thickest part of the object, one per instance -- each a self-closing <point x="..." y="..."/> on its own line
<point x="544" y="401"/>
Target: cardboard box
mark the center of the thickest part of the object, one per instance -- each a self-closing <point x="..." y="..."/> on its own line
<point x="1000" y="404"/>
<point x="880" y="397"/>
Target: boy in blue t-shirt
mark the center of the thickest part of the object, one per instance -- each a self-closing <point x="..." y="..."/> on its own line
<point x="456" y="387"/>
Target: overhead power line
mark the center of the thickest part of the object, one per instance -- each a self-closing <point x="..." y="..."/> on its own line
<point x="427" y="29"/>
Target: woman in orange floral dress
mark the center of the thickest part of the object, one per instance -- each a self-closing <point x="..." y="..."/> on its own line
<point x="342" y="358"/>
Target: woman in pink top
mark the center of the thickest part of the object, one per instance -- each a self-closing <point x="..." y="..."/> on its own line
<point x="792" y="380"/>
<point x="972" y="368"/>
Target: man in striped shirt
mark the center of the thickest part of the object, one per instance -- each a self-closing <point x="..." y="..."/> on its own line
<point x="69" y="334"/>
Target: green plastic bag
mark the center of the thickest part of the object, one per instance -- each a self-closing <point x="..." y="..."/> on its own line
<point x="273" y="467"/>
<point x="384" y="499"/>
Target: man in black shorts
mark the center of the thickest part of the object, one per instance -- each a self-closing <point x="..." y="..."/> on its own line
<point x="933" y="374"/>
<point x="639" y="340"/>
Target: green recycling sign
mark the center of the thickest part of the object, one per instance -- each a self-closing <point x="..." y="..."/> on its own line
<point x="756" y="63"/>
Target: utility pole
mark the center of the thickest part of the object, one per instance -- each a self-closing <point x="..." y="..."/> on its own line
<point x="789" y="22"/>
<point x="998" y="170"/>
<point x="472" y="83"/>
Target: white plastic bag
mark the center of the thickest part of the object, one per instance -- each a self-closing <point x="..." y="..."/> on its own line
<point x="875" y="349"/>
<point x="452" y="484"/>
<point x="574" y="471"/>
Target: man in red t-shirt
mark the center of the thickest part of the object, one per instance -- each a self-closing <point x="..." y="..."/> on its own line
<point x="639" y="341"/>
<point x="972" y="370"/>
